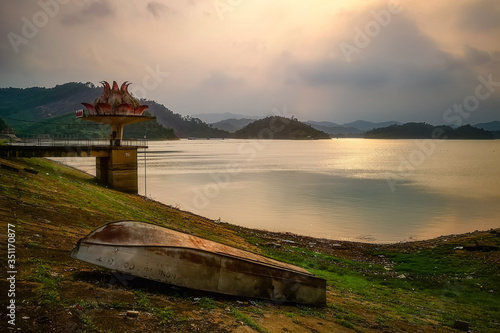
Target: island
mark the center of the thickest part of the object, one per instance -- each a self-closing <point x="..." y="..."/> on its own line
<point x="277" y="127"/>
<point x="427" y="131"/>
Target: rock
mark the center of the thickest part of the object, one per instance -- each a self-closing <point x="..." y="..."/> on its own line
<point x="9" y="167"/>
<point x="485" y="247"/>
<point x="461" y="325"/>
<point x="132" y="314"/>
<point x="32" y="171"/>
<point x="272" y="244"/>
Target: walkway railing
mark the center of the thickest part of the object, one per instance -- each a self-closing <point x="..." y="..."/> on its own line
<point x="58" y="142"/>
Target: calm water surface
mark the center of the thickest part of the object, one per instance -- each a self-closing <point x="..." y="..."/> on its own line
<point x="352" y="189"/>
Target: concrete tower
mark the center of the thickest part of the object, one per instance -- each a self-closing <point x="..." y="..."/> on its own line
<point x="117" y="108"/>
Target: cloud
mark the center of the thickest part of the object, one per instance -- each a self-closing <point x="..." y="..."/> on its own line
<point x="89" y="12"/>
<point x="479" y="16"/>
<point x="156" y="9"/>
<point x="400" y="54"/>
<point x="218" y="79"/>
<point x="476" y="56"/>
<point x="402" y="74"/>
<point x="266" y="55"/>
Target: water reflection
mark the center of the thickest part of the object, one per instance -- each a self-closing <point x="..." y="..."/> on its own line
<point x="334" y="188"/>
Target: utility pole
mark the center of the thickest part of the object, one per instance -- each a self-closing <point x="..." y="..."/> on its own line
<point x="145" y="165"/>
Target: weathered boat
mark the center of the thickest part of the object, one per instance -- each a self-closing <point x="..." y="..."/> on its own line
<point x="161" y="254"/>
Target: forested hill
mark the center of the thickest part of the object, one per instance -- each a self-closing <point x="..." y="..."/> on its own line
<point x="276" y="127"/>
<point x="184" y="126"/>
<point x="427" y="131"/>
<point x="36" y="103"/>
<point x="36" y="110"/>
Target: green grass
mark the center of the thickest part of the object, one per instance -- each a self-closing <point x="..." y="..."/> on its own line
<point x="207" y="303"/>
<point x="239" y="316"/>
<point x="142" y="300"/>
<point x="164" y="315"/>
<point x="311" y="312"/>
<point x="48" y="289"/>
<point x="292" y="316"/>
<point x="446" y="273"/>
<point x="439" y="284"/>
<point x="346" y="323"/>
<point x="87" y="305"/>
<point x="87" y="321"/>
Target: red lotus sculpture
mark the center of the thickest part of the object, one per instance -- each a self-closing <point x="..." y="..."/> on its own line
<point x="115" y="101"/>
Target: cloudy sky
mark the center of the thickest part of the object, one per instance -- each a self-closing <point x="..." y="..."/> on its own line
<point x="435" y="61"/>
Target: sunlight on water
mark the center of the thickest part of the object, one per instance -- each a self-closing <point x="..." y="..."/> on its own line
<point x="370" y="190"/>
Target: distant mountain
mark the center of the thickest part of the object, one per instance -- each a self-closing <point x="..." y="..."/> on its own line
<point x="335" y="130"/>
<point x="367" y="125"/>
<point x="425" y="131"/>
<point x="493" y="126"/>
<point x="232" y="125"/>
<point x="353" y="129"/>
<point x="276" y="127"/>
<point x="322" y="123"/>
<point x="32" y="110"/>
<point x="211" y="118"/>
<point x="184" y="126"/>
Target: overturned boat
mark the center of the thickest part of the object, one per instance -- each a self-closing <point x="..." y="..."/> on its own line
<point x="161" y="254"/>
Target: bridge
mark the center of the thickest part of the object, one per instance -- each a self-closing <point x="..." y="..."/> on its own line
<point x="116" y="165"/>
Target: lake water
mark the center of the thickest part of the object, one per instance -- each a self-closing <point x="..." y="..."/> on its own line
<point x="346" y="189"/>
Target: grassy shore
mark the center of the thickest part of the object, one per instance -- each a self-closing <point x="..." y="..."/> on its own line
<point x="415" y="286"/>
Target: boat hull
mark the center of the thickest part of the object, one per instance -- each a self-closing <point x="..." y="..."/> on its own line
<point x="210" y="266"/>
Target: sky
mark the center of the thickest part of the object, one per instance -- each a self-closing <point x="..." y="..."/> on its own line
<point x="434" y="61"/>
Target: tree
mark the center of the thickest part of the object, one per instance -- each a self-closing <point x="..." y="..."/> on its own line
<point x="3" y="125"/>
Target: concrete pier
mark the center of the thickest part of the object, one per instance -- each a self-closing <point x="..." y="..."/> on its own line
<point x="119" y="169"/>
